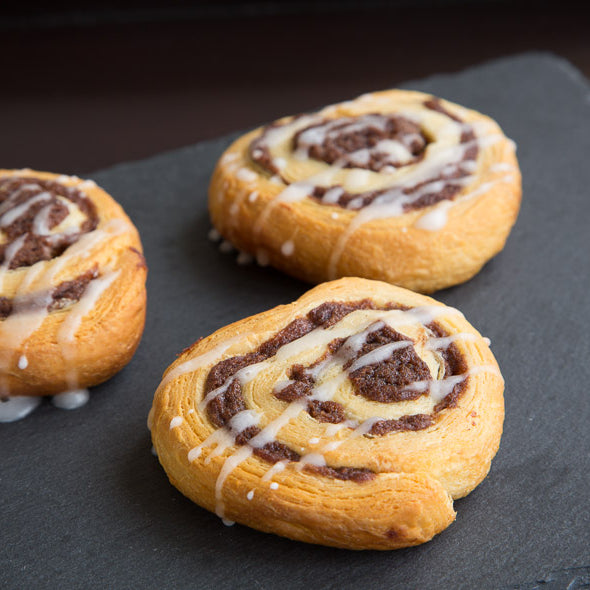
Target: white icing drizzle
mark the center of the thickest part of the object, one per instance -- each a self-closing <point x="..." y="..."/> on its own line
<point x="329" y="375"/>
<point x="332" y="195"/>
<point x="444" y="155"/>
<point x="221" y="438"/>
<point x="18" y="327"/>
<point x="214" y="235"/>
<point x="358" y="430"/>
<point x="13" y="197"/>
<point x="276" y="468"/>
<point x="288" y="248"/>
<point x="71" y="400"/>
<point x="250" y="495"/>
<point x="87" y="184"/>
<point x="378" y="355"/>
<point x="293" y="193"/>
<point x="446" y="341"/>
<point x="435" y="219"/>
<point x="316" y="459"/>
<point x="229" y="465"/>
<point x="84" y="306"/>
<point x="246" y="175"/>
<point x="17" y="407"/>
<point x="41" y="221"/>
<point x="176" y="422"/>
<point x="203" y="360"/>
<point x="244" y="419"/>
<point x="244" y="376"/>
<point x="502" y="167"/>
<point x="13" y="214"/>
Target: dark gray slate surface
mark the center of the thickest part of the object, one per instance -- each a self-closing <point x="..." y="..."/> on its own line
<point x="83" y="503"/>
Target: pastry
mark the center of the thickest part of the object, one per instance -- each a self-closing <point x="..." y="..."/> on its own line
<point x="398" y="186"/>
<point x="72" y="288"/>
<point x="352" y="417"/>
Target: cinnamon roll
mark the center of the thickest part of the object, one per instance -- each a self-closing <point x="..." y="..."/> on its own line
<point x="352" y="417"/>
<point x="72" y="289"/>
<point x="398" y="186"/>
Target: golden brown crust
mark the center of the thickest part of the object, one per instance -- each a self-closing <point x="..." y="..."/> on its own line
<point x="418" y="473"/>
<point x="396" y="249"/>
<point x="59" y="352"/>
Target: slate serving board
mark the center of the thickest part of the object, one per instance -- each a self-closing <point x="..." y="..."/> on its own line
<point x="84" y="504"/>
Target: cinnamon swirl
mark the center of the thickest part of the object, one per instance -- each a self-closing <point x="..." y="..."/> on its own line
<point x="352" y="417"/>
<point x="398" y="186"/>
<point x="72" y="289"/>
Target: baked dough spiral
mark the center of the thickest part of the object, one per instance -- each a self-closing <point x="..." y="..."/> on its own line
<point x="396" y="185"/>
<point x="72" y="284"/>
<point x="352" y="417"/>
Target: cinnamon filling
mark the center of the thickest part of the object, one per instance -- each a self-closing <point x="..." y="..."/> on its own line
<point x="30" y="208"/>
<point x="61" y="296"/>
<point x="386" y="382"/>
<point x="369" y="141"/>
<point x="380" y="143"/>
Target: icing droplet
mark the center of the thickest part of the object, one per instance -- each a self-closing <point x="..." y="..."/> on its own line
<point x="244" y="258"/>
<point x="194" y="454"/>
<point x="274" y="485"/>
<point x="214" y="235"/>
<point x="246" y="175"/>
<point x="252" y="196"/>
<point x="154" y="452"/>
<point x="227" y="522"/>
<point x="226" y="247"/>
<point x="23" y="362"/>
<point x="314" y="441"/>
<point x="250" y="494"/>
<point x="228" y="158"/>
<point x="334" y="216"/>
<point x="262" y="257"/>
<point x="87" y="184"/>
<point x="71" y="400"/>
<point x="288" y="248"/>
<point x="436" y="219"/>
<point x="487" y="341"/>
<point x="17" y="407"/>
<point x="175" y="422"/>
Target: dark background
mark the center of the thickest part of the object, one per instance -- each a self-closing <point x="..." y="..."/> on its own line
<point x="83" y="503"/>
<point x="88" y="84"/>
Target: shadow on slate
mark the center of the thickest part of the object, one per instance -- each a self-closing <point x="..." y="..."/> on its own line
<point x="85" y="504"/>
